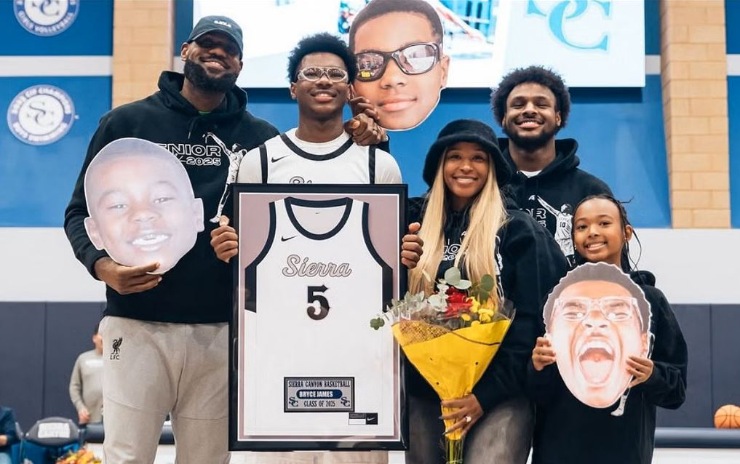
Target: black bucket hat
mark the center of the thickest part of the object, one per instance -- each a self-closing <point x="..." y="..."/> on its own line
<point x="466" y="130"/>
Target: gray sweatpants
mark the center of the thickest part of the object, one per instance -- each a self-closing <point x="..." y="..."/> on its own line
<point x="151" y="369"/>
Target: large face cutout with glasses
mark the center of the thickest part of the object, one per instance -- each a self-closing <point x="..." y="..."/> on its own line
<point x="401" y="68"/>
<point x="596" y="318"/>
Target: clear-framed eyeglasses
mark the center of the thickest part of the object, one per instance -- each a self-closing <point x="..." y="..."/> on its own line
<point x="315" y="73"/>
<point x="613" y="308"/>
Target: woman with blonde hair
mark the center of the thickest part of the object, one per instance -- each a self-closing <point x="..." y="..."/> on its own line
<point x="467" y="222"/>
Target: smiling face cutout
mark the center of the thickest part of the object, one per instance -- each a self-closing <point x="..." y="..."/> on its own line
<point x="141" y="205"/>
<point x="403" y="100"/>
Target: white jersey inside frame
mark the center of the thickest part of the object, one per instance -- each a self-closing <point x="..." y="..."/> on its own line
<point x="318" y="359"/>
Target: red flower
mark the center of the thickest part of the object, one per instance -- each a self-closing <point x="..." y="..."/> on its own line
<point x="458" y="302"/>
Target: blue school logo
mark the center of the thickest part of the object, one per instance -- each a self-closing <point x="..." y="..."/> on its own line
<point x="46" y="17"/>
<point x="41" y="115"/>
<point x="569" y="10"/>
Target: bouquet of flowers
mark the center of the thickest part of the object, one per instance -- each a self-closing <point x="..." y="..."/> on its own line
<point x="81" y="456"/>
<point x="450" y="337"/>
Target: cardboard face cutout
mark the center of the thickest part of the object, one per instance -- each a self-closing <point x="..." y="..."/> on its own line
<point x="402" y="67"/>
<point x="595" y="318"/>
<point x="141" y="205"/>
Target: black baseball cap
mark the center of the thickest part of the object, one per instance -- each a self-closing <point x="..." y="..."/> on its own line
<point x="221" y="24"/>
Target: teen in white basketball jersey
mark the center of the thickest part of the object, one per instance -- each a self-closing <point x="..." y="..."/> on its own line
<point x="321" y="69"/>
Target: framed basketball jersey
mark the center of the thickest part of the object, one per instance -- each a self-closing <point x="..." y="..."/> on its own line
<point x="316" y="263"/>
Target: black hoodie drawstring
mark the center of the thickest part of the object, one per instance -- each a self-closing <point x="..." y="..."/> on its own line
<point x="191" y="126"/>
<point x="523" y="200"/>
<point x="194" y="122"/>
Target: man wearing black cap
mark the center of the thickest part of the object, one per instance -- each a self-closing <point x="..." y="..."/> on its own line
<point x="167" y="334"/>
<point x="166" y="350"/>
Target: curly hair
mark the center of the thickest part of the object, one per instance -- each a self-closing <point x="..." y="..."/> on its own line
<point x="537" y="75"/>
<point x="321" y="43"/>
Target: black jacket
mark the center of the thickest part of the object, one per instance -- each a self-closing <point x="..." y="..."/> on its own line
<point x="530" y="265"/>
<point x="7" y="427"/>
<point x="551" y="196"/>
<point x="199" y="288"/>
<point x="569" y="432"/>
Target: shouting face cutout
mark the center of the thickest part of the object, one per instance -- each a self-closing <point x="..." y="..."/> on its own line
<point x="596" y="317"/>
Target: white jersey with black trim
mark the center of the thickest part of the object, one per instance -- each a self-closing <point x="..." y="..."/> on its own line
<point x="320" y="328"/>
<point x="285" y="159"/>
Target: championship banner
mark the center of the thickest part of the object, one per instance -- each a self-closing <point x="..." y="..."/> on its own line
<point x="315" y="264"/>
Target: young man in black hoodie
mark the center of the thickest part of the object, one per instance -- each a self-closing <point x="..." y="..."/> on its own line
<point x="168" y="334"/>
<point x="532" y="105"/>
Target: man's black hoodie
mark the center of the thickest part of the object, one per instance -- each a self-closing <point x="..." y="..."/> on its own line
<point x="570" y="432"/>
<point x="199" y="288"/>
<point x="551" y="196"/>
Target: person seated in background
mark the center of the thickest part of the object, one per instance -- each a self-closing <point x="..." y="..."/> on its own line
<point x="8" y="435"/>
<point x="86" y="383"/>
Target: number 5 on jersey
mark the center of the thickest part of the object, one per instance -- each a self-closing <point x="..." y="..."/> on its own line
<point x="318" y="304"/>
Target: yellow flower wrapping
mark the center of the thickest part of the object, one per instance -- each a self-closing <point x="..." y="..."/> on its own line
<point x="451" y="361"/>
<point x="81" y="456"/>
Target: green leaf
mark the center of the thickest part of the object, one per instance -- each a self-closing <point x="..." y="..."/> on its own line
<point x="463" y="284"/>
<point x="486" y="282"/>
<point x="452" y="276"/>
<point x="377" y="323"/>
<point x="437" y="300"/>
